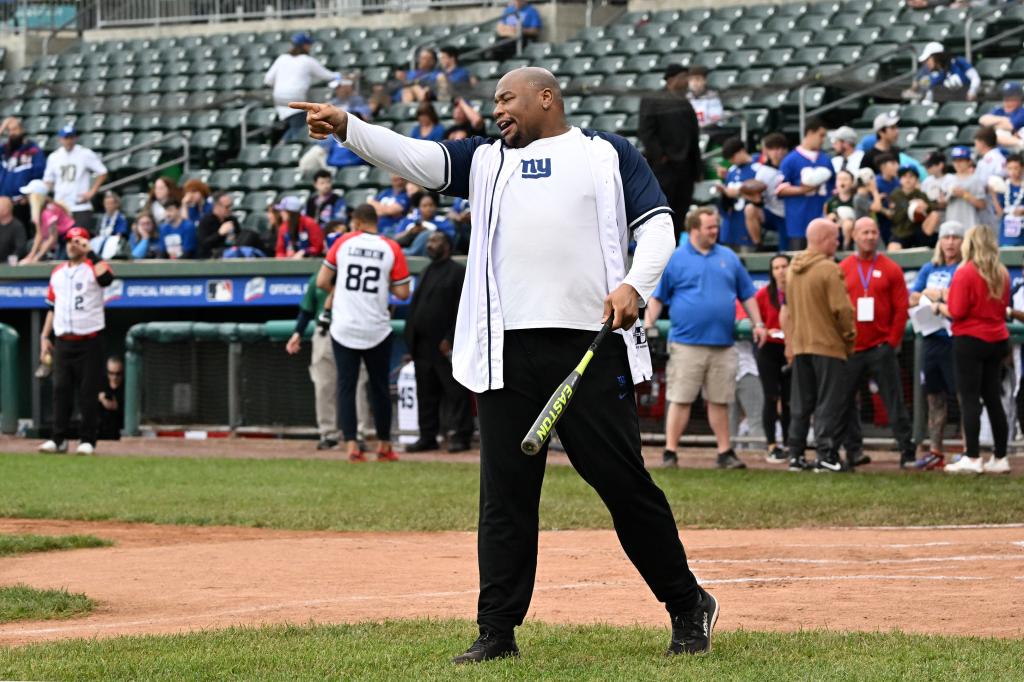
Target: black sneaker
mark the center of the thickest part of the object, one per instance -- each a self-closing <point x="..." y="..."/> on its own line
<point x="831" y="465"/>
<point x="691" y="632"/>
<point x="457" y="445"/>
<point x="777" y="456"/>
<point x="798" y="463"/>
<point x="422" y="445"/>
<point x="858" y="459"/>
<point x="489" y="645"/>
<point x="669" y="459"/>
<point x="908" y="458"/>
<point x="326" y="444"/>
<point x="729" y="460"/>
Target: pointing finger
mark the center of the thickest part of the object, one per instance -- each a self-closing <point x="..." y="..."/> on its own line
<point x="305" y="106"/>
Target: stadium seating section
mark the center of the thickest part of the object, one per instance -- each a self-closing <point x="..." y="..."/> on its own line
<point x="125" y="93"/>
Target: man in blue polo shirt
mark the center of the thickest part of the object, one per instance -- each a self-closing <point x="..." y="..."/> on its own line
<point x="1008" y="118"/>
<point x="701" y="284"/>
<point x="519" y="14"/>
<point x="807" y="183"/>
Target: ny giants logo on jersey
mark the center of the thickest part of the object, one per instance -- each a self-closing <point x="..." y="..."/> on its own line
<point x="536" y="168"/>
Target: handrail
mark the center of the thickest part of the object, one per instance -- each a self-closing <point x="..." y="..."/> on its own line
<point x="183" y="159"/>
<point x="802" y="103"/>
<point x="1000" y="36"/>
<point x="972" y="18"/>
<point x="415" y="49"/>
<point x="744" y="126"/>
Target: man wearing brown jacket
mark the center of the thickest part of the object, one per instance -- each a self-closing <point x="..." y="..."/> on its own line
<point x="819" y="328"/>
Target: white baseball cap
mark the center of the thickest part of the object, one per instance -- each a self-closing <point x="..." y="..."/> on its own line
<point x="845" y="133"/>
<point x="337" y="82"/>
<point x="885" y="120"/>
<point x="291" y="204"/>
<point x="931" y="49"/>
<point x="35" y="187"/>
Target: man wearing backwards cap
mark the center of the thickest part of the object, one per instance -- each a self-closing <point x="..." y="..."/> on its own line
<point x="290" y="76"/>
<point x="844" y="144"/>
<point x="669" y="132"/>
<point x="886" y="127"/>
<point x="75" y="174"/>
<point x="76" y="318"/>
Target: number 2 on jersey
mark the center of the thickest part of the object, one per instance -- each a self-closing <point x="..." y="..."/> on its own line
<point x="359" y="278"/>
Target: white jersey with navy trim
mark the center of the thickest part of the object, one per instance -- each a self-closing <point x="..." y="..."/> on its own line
<point x="624" y="200"/>
<point x="72" y="174"/>
<point x="76" y="298"/>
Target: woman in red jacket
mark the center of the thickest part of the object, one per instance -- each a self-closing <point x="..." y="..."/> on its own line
<point x="977" y="302"/>
<point x="298" y="236"/>
<point x="771" y="358"/>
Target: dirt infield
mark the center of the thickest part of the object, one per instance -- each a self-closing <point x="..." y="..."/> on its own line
<point x="165" y="579"/>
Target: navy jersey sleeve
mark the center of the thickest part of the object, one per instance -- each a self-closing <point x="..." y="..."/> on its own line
<point x="642" y="193"/>
<point x="458" y="159"/>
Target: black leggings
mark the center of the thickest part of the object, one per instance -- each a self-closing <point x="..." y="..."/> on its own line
<point x="377" y="360"/>
<point x="771" y="358"/>
<point x="979" y="372"/>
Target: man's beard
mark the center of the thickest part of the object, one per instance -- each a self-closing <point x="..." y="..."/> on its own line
<point x="15" y="141"/>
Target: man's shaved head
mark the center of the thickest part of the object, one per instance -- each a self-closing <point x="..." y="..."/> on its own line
<point x="528" y="106"/>
<point x="823" y="236"/>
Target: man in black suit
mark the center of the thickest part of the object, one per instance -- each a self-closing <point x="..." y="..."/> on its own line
<point x="429" y="331"/>
<point x="670" y="134"/>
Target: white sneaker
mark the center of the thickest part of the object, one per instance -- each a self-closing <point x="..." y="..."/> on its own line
<point x="997" y="465"/>
<point x="965" y="465"/>
<point x="52" y="446"/>
<point x="84" y="449"/>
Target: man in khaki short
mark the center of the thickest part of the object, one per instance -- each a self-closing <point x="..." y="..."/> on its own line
<point x="701" y="284"/>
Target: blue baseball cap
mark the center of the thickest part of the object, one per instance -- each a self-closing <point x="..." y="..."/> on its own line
<point x="1012" y="89"/>
<point x="302" y="38"/>
<point x="68" y="131"/>
<point x="960" y="153"/>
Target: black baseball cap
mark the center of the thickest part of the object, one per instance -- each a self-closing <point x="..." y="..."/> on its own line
<point x="673" y="70"/>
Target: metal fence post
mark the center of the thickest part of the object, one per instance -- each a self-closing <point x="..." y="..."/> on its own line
<point x="234" y="385"/>
<point x="132" y="389"/>
<point x="8" y="379"/>
<point x="920" y="403"/>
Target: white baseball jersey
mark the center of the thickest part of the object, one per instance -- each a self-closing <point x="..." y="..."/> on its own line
<point x="367" y="266"/>
<point x="72" y="175"/>
<point x="76" y="298"/>
<point x="291" y="77"/>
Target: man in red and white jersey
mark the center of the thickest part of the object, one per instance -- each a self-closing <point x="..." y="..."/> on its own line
<point x="76" y="319"/>
<point x="361" y="269"/>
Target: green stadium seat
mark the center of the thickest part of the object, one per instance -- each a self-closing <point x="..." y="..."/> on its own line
<point x="845" y="54"/>
<point x="722" y="79"/>
<point x="146" y="85"/>
<point x="352" y="177"/>
<point x="781" y="24"/>
<point x="908" y="136"/>
<point x="956" y="113"/>
<point x="993" y="68"/>
<point x="91" y="122"/>
<point x="377" y="74"/>
<point x="881" y="17"/>
<point x="867" y="117"/>
<point x="252" y="156"/>
<point x="568" y="49"/>
<point x="759" y="11"/>
<point x="257" y="202"/>
<point x="696" y="14"/>
<point x="933" y="32"/>
<point x="620" y="31"/>
<point x="256" y="178"/>
<point x="863" y="35"/>
<point x="229" y="81"/>
<point x="898" y="34"/>
<point x="206" y="141"/>
<point x="576" y="66"/>
<point x="119" y="140"/>
<point x="225" y="178"/>
<point x="598" y="48"/>
<point x="664" y="45"/>
<point x="536" y="51"/>
<point x="202" y="99"/>
<point x="740" y="59"/>
<point x="131" y="204"/>
<point x="595" y="105"/>
<point x="512" y="64"/>
<point x="711" y="59"/>
<point x="149" y="69"/>
<point x="650" y="82"/>
<point x="716" y="28"/>
<point x="918" y="114"/>
<point x="609" y="65"/>
<point x="809" y="56"/>
<point x="641" y="63"/>
<point x="705" y="192"/>
<point x="793" y="9"/>
<point x="144" y="159"/>
<point x="731" y="13"/>
<point x="286" y="155"/>
<point x="831" y="37"/>
<point x="610" y="122"/>
<point x="865" y="73"/>
<point x="728" y="41"/>
<point x="580" y="120"/>
<point x="936" y="136"/>
<point x="584" y="84"/>
<point x="684" y="29"/>
<point x="626" y="104"/>
<point x="814" y="22"/>
<point x="653" y="31"/>
<point x="966" y="135"/>
<point x="752" y="78"/>
<point x="485" y="70"/>
<point x="632" y="46"/>
<point x="288" y="179"/>
<point x="37" y="124"/>
<point x="762" y="41"/>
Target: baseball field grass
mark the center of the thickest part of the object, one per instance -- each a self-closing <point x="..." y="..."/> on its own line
<point x="426" y="496"/>
<point x="10" y="544"/>
<point x="20" y="602"/>
<point x="419" y="650"/>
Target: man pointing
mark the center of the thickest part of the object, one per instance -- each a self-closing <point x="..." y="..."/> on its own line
<point x="554" y="207"/>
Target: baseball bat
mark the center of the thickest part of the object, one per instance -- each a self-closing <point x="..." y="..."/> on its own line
<point x="559" y="400"/>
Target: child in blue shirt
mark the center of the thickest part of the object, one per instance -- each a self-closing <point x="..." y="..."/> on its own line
<point x="1009" y="204"/>
<point x="734" y="231"/>
<point x="177" y="235"/>
<point x="886" y="182"/>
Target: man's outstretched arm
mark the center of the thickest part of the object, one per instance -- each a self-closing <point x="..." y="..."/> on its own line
<point x="423" y="162"/>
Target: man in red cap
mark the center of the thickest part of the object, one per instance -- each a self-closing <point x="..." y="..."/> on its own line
<point x="76" y="319"/>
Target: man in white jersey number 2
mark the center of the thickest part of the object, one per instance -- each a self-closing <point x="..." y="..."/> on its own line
<point x="362" y="268"/>
<point x="77" y="320"/>
<point x="553" y="209"/>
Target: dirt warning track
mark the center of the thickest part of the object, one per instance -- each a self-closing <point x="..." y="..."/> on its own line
<point x="166" y="579"/>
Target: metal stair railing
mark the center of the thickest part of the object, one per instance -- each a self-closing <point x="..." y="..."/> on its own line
<point x="183" y="159"/>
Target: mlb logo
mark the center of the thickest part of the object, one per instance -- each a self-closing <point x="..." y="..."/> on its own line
<point x="219" y="291"/>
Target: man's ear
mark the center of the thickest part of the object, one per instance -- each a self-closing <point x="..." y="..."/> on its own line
<point x="547" y="97"/>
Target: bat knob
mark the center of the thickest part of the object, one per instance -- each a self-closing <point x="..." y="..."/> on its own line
<point x="530" y="446"/>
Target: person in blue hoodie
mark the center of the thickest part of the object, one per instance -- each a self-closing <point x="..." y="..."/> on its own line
<point x="21" y="161"/>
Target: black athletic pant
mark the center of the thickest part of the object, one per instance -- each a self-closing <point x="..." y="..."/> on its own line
<point x="880" y="364"/>
<point x="77" y="368"/>
<point x="979" y="371"/>
<point x="601" y="435"/>
<point x="817" y="390"/>
<point x="377" y="361"/>
<point x="771" y="358"/>
<point x="436" y="387"/>
<point x="677" y="183"/>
